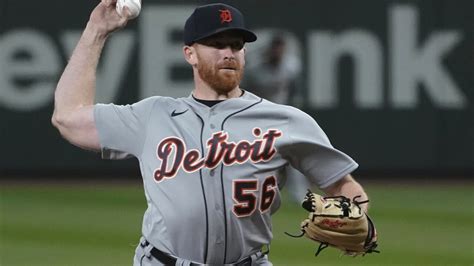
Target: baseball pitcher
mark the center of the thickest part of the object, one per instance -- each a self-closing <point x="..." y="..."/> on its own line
<point x="210" y="162"/>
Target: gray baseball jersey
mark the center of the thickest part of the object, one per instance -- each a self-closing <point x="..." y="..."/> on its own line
<point x="211" y="174"/>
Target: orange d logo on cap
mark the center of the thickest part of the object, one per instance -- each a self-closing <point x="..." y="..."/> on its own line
<point x="208" y="20"/>
<point x="225" y="15"/>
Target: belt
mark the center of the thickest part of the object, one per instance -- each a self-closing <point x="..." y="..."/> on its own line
<point x="169" y="260"/>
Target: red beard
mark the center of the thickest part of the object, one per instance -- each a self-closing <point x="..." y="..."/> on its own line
<point x="218" y="79"/>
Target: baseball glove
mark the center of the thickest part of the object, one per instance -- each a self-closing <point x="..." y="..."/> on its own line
<point x="338" y="222"/>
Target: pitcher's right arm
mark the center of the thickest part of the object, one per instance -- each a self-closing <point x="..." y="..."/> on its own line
<point x="75" y="92"/>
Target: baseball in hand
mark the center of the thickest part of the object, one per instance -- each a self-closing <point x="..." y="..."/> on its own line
<point x="133" y="5"/>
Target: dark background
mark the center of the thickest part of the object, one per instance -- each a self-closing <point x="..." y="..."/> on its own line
<point x="424" y="140"/>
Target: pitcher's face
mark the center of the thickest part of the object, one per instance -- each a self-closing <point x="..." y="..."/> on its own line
<point x="221" y="61"/>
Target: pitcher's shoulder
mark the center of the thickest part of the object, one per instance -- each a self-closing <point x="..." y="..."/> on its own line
<point x="287" y="110"/>
<point x="162" y="102"/>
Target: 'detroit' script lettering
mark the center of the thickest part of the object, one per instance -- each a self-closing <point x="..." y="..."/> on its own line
<point x="219" y="150"/>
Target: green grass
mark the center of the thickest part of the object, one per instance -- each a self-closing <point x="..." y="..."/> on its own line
<point x="86" y="225"/>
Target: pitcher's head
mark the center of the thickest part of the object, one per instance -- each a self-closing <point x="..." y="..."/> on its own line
<point x="214" y="38"/>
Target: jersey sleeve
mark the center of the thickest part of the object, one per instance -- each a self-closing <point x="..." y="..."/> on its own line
<point x="310" y="151"/>
<point x="122" y="128"/>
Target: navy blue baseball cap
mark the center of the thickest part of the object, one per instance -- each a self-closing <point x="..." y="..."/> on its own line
<point x="211" y="19"/>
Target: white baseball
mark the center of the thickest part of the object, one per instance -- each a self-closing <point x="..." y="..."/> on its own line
<point x="133" y="5"/>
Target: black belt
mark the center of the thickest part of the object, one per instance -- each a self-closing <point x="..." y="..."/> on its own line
<point x="169" y="260"/>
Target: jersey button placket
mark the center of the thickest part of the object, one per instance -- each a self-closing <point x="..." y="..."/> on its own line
<point x="216" y="237"/>
<point x="212" y="115"/>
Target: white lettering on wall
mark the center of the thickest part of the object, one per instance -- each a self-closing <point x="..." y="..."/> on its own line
<point x="29" y="65"/>
<point x="158" y="53"/>
<point x="412" y="65"/>
<point x="409" y="65"/>
<point x="326" y="48"/>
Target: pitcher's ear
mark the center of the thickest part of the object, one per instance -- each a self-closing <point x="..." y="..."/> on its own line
<point x="189" y="53"/>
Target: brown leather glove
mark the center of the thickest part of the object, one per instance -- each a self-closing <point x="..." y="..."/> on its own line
<point x="339" y="222"/>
